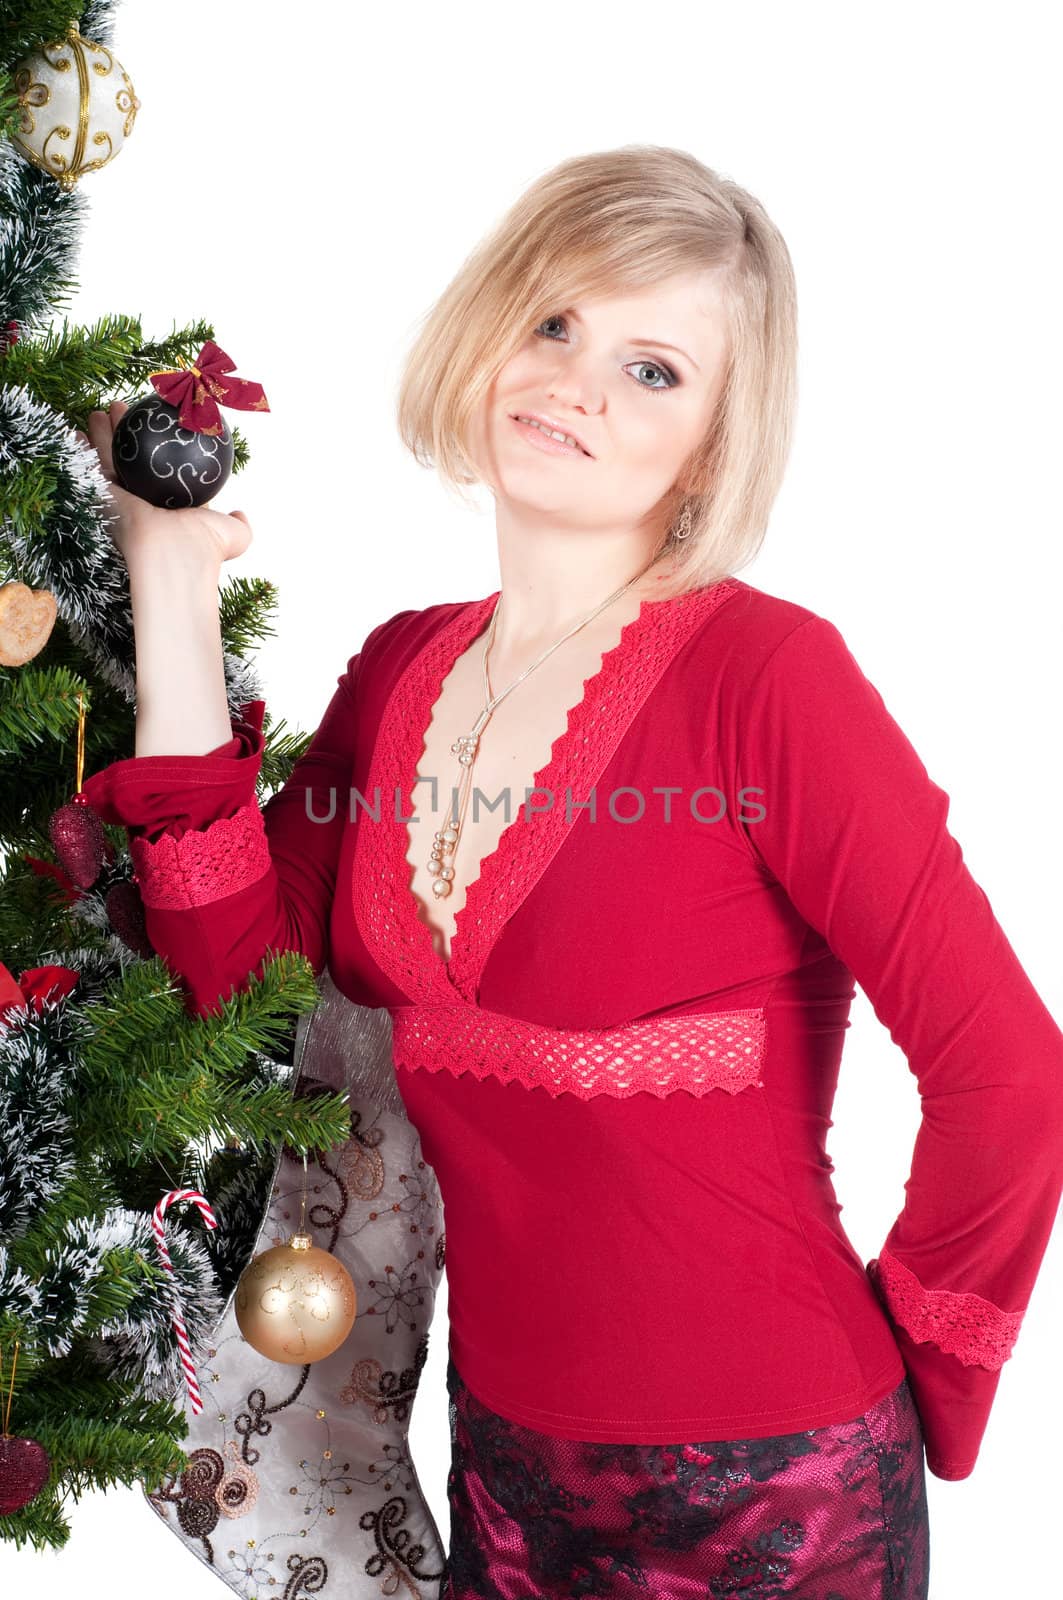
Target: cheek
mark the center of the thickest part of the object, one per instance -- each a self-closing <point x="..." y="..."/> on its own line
<point x="669" y="423"/>
<point x="519" y="373"/>
<point x="653" y="429"/>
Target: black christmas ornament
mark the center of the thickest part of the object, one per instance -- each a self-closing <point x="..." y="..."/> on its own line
<point x="174" y="448"/>
<point x="164" y="463"/>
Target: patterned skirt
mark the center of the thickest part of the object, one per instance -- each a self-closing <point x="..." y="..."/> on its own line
<point x="834" y="1513"/>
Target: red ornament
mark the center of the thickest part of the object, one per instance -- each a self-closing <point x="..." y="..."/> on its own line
<point x="125" y="908"/>
<point x="24" y="1469"/>
<point x="80" y="842"/>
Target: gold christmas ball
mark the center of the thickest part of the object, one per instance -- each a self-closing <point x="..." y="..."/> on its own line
<point x="77" y="104"/>
<point x="295" y="1303"/>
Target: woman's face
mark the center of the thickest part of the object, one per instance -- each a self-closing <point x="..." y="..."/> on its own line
<point x="599" y="371"/>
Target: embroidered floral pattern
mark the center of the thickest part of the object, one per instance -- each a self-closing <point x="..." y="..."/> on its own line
<point x="205" y="864"/>
<point x="974" y="1330"/>
<point x="385" y="908"/>
<point x="697" y="1052"/>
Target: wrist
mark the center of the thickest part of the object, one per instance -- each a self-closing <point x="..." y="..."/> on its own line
<point x="184" y="563"/>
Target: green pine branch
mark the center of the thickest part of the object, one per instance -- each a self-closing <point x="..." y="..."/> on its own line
<point x="281" y="752"/>
<point x="40" y="1524"/>
<point x="244" y="607"/>
<point x="38" y="703"/>
<point x="24" y="26"/>
<point x="155" y="1079"/>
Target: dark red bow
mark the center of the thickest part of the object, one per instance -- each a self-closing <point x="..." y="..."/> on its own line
<point x="196" y="390"/>
<point x="34" y="987"/>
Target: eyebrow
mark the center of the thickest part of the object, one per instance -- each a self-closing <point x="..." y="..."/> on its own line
<point x="658" y="344"/>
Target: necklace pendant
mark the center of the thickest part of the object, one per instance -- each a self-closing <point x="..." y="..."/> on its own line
<point x="464" y="747"/>
<point x="444" y="842"/>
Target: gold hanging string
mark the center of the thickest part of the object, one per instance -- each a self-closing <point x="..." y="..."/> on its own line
<point x="81" y="742"/>
<point x="182" y="366"/>
<point x="11" y="1391"/>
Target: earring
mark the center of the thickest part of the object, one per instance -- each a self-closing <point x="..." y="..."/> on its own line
<point x="682" y="527"/>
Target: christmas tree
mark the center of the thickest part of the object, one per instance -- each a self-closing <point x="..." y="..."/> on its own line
<point x="113" y="1094"/>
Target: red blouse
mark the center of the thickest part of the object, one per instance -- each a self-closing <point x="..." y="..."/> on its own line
<point x="624" y="1075"/>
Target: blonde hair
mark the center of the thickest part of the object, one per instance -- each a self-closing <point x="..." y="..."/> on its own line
<point x="603" y="223"/>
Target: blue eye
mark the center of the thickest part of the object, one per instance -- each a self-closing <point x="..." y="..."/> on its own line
<point x="671" y="379"/>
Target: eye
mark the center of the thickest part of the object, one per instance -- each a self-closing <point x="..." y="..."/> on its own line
<point x="671" y="378"/>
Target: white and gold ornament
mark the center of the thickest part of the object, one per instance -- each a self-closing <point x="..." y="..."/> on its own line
<point x="78" y="106"/>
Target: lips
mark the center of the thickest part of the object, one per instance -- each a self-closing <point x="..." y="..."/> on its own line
<point x="551" y="422"/>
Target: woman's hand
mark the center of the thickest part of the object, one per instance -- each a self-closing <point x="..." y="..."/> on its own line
<point x="141" y="527"/>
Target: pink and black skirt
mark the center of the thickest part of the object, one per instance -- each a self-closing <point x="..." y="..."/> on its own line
<point x="834" y="1513"/>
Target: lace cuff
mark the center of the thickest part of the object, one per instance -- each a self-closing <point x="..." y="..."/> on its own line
<point x="974" y="1330"/>
<point x="202" y="866"/>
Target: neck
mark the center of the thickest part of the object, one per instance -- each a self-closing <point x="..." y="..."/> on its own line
<point x="538" y="608"/>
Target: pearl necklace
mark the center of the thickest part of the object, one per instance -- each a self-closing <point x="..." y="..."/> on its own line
<point x="465" y="747"/>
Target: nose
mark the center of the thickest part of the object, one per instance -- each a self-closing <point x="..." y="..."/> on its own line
<point x="572" y="383"/>
<point x="569" y="398"/>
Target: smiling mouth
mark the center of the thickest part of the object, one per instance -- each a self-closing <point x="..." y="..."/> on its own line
<point x="558" y="435"/>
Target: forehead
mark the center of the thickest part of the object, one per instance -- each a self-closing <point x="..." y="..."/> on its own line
<point x="685" y="306"/>
<point x="692" y="290"/>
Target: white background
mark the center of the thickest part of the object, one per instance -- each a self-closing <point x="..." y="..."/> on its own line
<point x="310" y="181"/>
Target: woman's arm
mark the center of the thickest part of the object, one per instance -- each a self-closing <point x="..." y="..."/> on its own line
<point x="181" y="704"/>
<point x="223" y="880"/>
<point x="856" y="834"/>
<point x="173" y="557"/>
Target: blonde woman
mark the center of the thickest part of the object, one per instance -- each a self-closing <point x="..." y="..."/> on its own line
<point x="619" y="982"/>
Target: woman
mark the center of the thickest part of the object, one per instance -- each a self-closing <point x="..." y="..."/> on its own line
<point x="618" y="1011"/>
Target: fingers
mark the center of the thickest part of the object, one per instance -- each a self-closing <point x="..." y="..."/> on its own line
<point x="101" y="425"/>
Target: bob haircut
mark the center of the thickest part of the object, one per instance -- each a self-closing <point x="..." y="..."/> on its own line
<point x="605" y="223"/>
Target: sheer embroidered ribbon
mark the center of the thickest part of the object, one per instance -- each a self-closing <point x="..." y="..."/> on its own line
<point x="204" y="864"/>
<point x="697" y="1051"/>
<point x="974" y="1330"/>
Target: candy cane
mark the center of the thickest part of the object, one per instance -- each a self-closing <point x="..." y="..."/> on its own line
<point x="159" y="1228"/>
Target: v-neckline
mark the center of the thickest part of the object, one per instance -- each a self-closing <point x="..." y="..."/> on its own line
<point x="387" y="911"/>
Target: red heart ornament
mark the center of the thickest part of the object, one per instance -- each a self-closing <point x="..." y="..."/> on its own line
<point x="24" y="1469"/>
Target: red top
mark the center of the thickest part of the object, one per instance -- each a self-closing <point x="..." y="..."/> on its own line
<point x="624" y="1076"/>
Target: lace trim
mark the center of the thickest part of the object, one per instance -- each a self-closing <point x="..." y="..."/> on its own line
<point x="974" y="1330"/>
<point x="204" y="864"/>
<point x="385" y="908"/>
<point x="698" y="1051"/>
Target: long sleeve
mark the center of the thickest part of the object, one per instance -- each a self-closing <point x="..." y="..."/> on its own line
<point x="224" y="880"/>
<point x="855" y="832"/>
